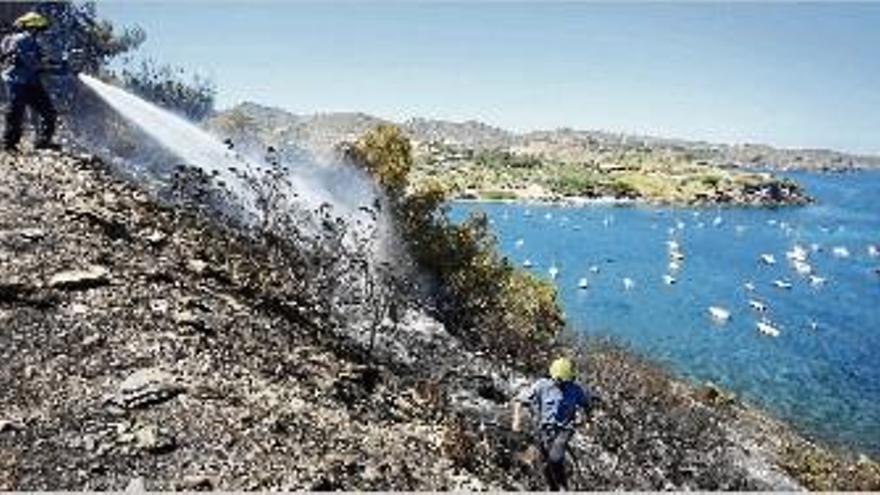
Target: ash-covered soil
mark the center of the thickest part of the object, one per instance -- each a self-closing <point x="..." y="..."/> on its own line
<point x="144" y="345"/>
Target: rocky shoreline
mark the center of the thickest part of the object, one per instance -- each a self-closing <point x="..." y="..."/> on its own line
<point x="665" y="184"/>
<point x="145" y="346"/>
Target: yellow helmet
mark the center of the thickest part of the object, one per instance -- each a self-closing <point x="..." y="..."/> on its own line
<point x="562" y="369"/>
<point x="31" y="20"/>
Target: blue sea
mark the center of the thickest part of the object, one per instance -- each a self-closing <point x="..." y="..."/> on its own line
<point x="821" y="373"/>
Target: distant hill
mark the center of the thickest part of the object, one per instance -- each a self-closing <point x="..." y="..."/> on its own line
<point x="320" y="132"/>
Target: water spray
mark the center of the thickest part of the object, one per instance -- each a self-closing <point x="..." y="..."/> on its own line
<point x="312" y="187"/>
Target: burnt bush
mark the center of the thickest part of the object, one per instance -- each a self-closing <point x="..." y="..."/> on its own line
<point x="479" y="295"/>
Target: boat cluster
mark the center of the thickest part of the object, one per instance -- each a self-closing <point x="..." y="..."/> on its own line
<point x="798" y="258"/>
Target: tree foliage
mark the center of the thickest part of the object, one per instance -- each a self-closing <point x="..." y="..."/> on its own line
<point x="385" y="152"/>
<point x="168" y="87"/>
<point x="479" y="294"/>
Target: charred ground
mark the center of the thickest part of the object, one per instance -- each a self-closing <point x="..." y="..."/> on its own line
<point x="141" y="340"/>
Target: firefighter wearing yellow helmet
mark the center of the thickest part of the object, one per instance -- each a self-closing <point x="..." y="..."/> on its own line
<point x="31" y="20"/>
<point x="554" y="403"/>
<point x="23" y="65"/>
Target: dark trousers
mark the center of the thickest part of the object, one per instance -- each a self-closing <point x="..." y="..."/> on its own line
<point x="552" y="442"/>
<point x="32" y="95"/>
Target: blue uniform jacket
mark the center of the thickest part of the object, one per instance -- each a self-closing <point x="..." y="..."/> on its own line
<point x="24" y="58"/>
<point x="555" y="403"/>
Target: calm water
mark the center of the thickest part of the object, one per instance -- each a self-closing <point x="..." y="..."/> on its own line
<point x="823" y="370"/>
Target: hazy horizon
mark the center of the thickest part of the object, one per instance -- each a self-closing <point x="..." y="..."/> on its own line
<point x="786" y="75"/>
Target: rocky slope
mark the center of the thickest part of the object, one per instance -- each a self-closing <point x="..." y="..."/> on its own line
<point x="144" y="345"/>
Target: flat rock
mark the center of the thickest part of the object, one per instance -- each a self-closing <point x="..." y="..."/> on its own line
<point x="155" y="237"/>
<point x="154" y="439"/>
<point x="197" y="266"/>
<point x="91" y="277"/>
<point x="195" y="483"/>
<point x="9" y="425"/>
<point x="136" y="485"/>
<point x="147" y="387"/>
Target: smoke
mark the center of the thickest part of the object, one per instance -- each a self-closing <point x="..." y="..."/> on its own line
<point x="306" y="185"/>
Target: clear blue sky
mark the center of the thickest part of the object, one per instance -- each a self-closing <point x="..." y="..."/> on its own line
<point x="785" y="74"/>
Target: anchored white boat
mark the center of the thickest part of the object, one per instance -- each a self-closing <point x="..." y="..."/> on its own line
<point x="583" y="283"/>
<point x="816" y="280"/>
<point x="668" y="279"/>
<point x="527" y="264"/>
<point x="719" y="314"/>
<point x="757" y="305"/>
<point x="840" y="252"/>
<point x="781" y="284"/>
<point x="766" y="328"/>
<point x="802" y="268"/>
<point x="628" y="283"/>
<point x="768" y="259"/>
<point x="553" y="271"/>
<point x="797" y="253"/>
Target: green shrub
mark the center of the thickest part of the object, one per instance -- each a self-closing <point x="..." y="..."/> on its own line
<point x="479" y="295"/>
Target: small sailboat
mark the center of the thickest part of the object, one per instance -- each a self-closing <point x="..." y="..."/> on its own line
<point x="816" y="280"/>
<point x="749" y="286"/>
<point x="672" y="244"/>
<point x="797" y="253"/>
<point x="767" y="328"/>
<point x="594" y="269"/>
<point x="768" y="259"/>
<point x="553" y="271"/>
<point x="583" y="283"/>
<point x="781" y="284"/>
<point x="802" y="268"/>
<point x="873" y="251"/>
<point x="668" y="279"/>
<point x="719" y="314"/>
<point x="840" y="252"/>
<point x="628" y="283"/>
<point x="676" y="255"/>
<point x="674" y="266"/>
<point x="527" y="263"/>
<point x="519" y="243"/>
<point x="717" y="221"/>
<point x="757" y="305"/>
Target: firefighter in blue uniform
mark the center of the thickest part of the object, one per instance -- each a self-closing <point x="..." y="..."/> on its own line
<point x="23" y="59"/>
